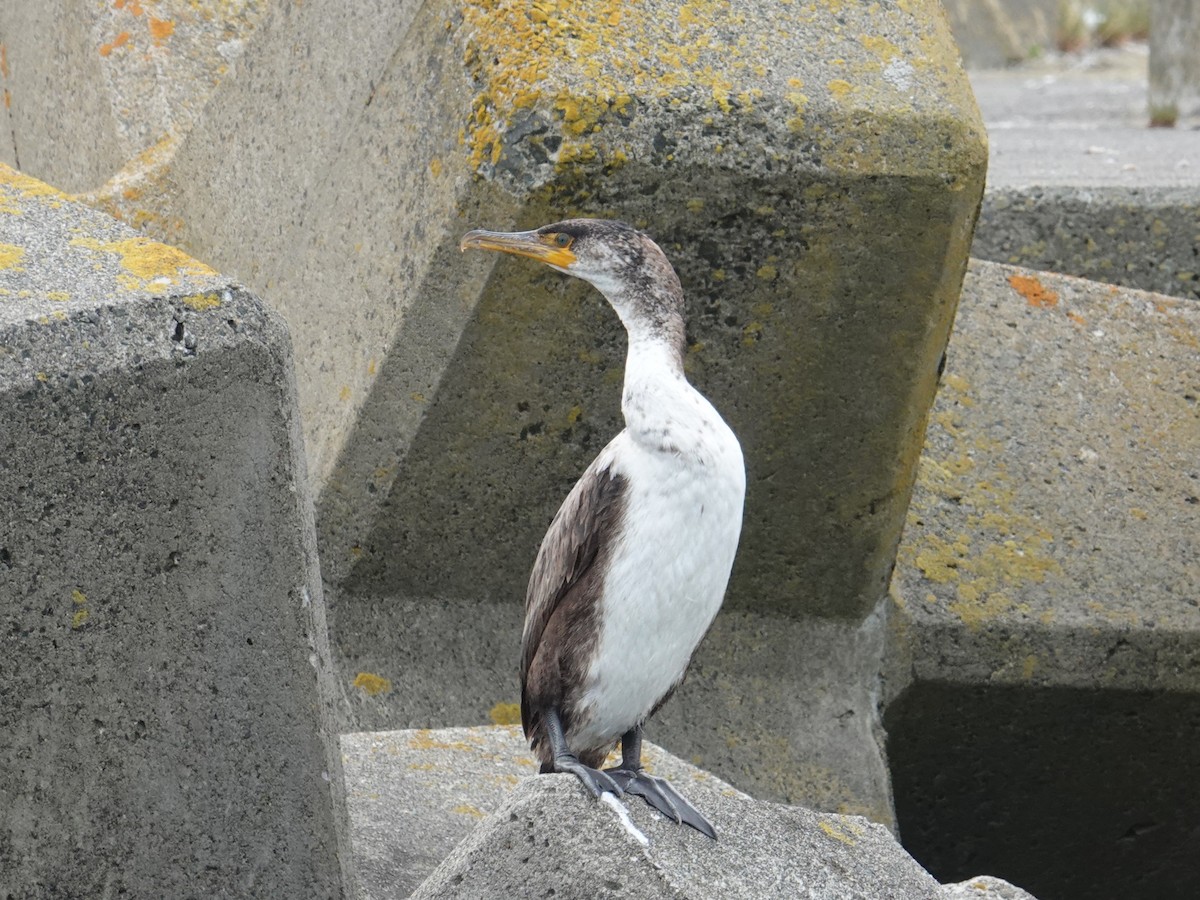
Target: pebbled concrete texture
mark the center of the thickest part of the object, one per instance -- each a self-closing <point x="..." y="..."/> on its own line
<point x="518" y="835"/>
<point x="167" y="723"/>
<point x="786" y="710"/>
<point x="444" y="782"/>
<point x="1047" y="578"/>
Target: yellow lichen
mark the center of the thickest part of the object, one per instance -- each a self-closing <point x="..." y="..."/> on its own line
<point x="372" y="685"/>
<point x="505" y="714"/>
<point x="147" y="260"/>
<point x="466" y="809"/>
<point x="1001" y="549"/>
<point x="202" y="302"/>
<point x="10" y="255"/>
<point x="837" y="834"/>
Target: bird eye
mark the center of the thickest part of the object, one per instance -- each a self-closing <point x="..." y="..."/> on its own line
<point x="562" y="239"/>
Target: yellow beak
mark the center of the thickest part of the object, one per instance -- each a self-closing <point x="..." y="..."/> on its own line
<point x="519" y="243"/>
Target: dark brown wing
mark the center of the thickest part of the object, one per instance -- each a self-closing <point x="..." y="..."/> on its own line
<point x="564" y="585"/>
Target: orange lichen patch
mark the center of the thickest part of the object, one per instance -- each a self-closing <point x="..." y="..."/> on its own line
<point x="1076" y="318"/>
<point x="505" y="714"/>
<point x="147" y="260"/>
<point x="3" y="60"/>
<point x="1034" y="292"/>
<point x="161" y="29"/>
<point x="131" y="6"/>
<point x="119" y="41"/>
<point x="372" y="685"/>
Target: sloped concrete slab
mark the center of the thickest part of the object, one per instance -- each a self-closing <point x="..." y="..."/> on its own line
<point x="468" y="796"/>
<point x="1047" y="616"/>
<point x="168" y="694"/>
<point x="441" y="784"/>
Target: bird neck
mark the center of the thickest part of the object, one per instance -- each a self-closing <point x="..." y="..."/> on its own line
<point x="655" y="393"/>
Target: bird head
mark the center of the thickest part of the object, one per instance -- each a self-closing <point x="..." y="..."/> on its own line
<point x="624" y="264"/>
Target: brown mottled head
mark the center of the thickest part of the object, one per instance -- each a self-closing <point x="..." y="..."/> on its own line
<point x="620" y="261"/>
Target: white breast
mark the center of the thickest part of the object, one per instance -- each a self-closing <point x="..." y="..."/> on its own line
<point x="667" y="574"/>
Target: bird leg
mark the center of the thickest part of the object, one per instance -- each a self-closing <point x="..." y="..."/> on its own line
<point x="565" y="761"/>
<point x="656" y="791"/>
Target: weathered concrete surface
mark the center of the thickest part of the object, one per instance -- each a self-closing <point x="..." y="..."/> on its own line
<point x="755" y="168"/>
<point x="137" y="77"/>
<point x="1174" y="62"/>
<point x="1046" y="642"/>
<point x="784" y="709"/>
<point x="415" y="795"/>
<point x="449" y="401"/>
<point x="543" y="835"/>
<point x="1076" y="182"/>
<point x="1000" y="32"/>
<point x="167" y="686"/>
<point x="441" y="784"/>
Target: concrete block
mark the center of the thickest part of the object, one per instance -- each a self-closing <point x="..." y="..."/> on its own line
<point x="167" y="694"/>
<point x="757" y="171"/>
<point x="519" y="835"/>
<point x="551" y="836"/>
<point x="784" y="709"/>
<point x="1137" y="236"/>
<point x="444" y="782"/>
<point x="1077" y="184"/>
<point x="993" y="33"/>
<point x="136" y="78"/>
<point x="1045" y="658"/>
<point x="1174" y="63"/>
<point x="447" y="402"/>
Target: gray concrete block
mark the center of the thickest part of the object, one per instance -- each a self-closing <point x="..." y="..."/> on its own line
<point x="1046" y="631"/>
<point x="1001" y="32"/>
<point x="1077" y="184"/>
<point x="1174" y="63"/>
<point x="784" y="709"/>
<point x="1139" y="237"/>
<point x="469" y="796"/>
<point x="49" y="54"/>
<point x="443" y="783"/>
<point x="167" y="687"/>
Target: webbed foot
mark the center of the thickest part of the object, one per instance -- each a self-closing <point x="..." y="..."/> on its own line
<point x="659" y="793"/>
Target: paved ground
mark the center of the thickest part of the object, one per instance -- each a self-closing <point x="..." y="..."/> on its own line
<point x="1081" y="120"/>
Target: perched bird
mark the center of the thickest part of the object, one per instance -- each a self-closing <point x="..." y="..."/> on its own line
<point x="635" y="564"/>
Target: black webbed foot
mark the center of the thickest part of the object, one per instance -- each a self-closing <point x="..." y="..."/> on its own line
<point x="659" y="793"/>
<point x="656" y="791"/>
